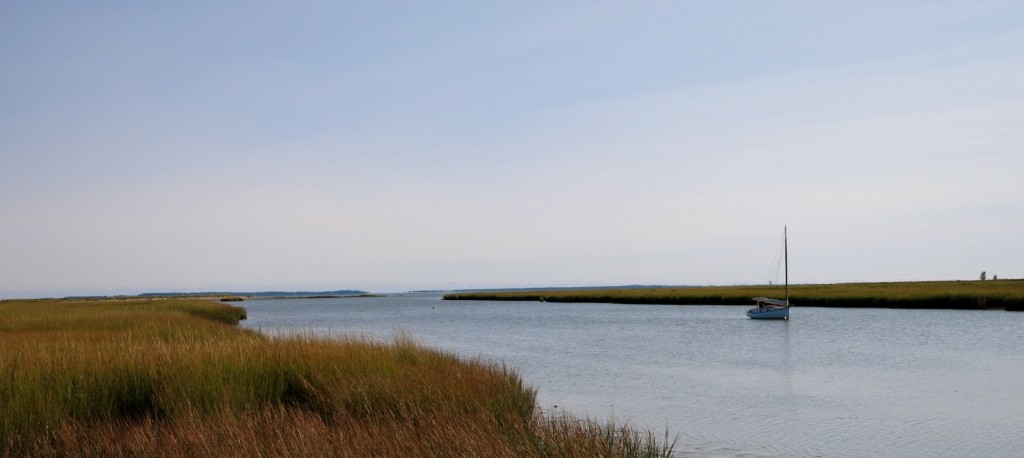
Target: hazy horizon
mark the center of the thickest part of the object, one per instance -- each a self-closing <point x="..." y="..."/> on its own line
<point x="197" y="146"/>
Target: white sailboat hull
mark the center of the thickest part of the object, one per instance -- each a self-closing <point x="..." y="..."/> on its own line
<point x="758" y="313"/>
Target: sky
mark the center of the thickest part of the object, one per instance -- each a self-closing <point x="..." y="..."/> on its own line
<point x="390" y="146"/>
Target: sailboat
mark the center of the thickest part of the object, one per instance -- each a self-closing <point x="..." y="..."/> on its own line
<point x="774" y="309"/>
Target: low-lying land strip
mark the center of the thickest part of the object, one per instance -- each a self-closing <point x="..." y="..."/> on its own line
<point x="993" y="294"/>
<point x="236" y="294"/>
<point x="178" y="377"/>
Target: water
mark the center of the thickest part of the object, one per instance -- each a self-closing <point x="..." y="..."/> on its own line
<point x="829" y="382"/>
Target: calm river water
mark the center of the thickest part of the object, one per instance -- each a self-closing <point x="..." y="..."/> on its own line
<point x="829" y="382"/>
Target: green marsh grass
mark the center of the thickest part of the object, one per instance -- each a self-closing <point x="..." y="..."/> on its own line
<point x="993" y="294"/>
<point x="177" y="377"/>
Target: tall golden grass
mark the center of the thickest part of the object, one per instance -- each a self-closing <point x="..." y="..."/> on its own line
<point x="997" y="294"/>
<point x="178" y="378"/>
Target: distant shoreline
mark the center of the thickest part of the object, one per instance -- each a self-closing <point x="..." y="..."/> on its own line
<point x="959" y="295"/>
<point x="233" y="294"/>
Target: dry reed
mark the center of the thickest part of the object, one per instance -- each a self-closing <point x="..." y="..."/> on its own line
<point x="177" y="378"/>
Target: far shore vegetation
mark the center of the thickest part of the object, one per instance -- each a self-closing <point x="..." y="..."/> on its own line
<point x="177" y="377"/>
<point x="982" y="295"/>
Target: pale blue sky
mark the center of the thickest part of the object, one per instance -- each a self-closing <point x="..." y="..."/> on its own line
<point x="394" y="145"/>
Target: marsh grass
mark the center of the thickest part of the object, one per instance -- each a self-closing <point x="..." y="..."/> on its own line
<point x="996" y="294"/>
<point x="178" y="378"/>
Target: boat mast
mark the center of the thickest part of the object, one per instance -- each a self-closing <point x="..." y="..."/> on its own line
<point x="785" y="247"/>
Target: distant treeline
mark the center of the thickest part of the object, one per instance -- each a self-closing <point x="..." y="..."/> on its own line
<point x="340" y="292"/>
<point x="996" y="294"/>
<point x="554" y="288"/>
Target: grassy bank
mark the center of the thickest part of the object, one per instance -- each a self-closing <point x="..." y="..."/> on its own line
<point x="996" y="294"/>
<point x="179" y="378"/>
